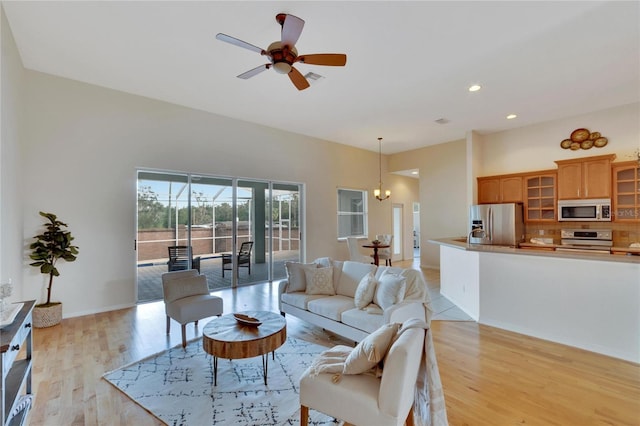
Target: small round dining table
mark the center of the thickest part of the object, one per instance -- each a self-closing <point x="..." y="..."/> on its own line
<point x="375" y="248"/>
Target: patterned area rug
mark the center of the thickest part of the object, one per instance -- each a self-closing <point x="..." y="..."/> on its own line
<point x="177" y="387"/>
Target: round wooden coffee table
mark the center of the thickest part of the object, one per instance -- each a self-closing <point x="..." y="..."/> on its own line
<point x="225" y="337"/>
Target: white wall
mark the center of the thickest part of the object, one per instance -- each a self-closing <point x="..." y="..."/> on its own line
<point x="537" y="147"/>
<point x="11" y="241"/>
<point x="443" y="193"/>
<point x="80" y="163"/>
<point x="593" y="305"/>
<point x="459" y="279"/>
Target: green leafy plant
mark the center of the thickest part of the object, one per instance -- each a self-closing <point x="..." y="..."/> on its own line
<point x="50" y="246"/>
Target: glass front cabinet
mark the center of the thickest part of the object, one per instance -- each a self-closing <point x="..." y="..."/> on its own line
<point x="626" y="191"/>
<point x="540" y="198"/>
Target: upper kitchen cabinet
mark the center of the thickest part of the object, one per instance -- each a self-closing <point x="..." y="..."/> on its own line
<point x="585" y="177"/>
<point x="540" y="196"/>
<point x="500" y="189"/>
<point x="626" y="191"/>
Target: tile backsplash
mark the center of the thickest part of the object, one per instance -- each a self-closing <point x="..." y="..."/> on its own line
<point x="623" y="233"/>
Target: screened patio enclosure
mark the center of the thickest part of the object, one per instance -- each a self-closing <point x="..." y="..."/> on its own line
<point x="214" y="216"/>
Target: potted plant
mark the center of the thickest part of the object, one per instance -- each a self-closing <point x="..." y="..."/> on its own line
<point x="50" y="246"/>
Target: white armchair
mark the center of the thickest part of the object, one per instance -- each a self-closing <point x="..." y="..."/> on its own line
<point x="187" y="299"/>
<point x="363" y="399"/>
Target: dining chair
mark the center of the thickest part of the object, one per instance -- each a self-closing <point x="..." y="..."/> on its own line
<point x="354" y="251"/>
<point x="385" y="253"/>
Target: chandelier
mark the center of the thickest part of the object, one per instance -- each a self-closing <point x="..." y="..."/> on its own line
<point x="378" y="191"/>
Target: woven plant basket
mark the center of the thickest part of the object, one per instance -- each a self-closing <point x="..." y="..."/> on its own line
<point x="47" y="316"/>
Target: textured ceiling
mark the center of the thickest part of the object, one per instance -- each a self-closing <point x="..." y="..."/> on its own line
<point x="409" y="63"/>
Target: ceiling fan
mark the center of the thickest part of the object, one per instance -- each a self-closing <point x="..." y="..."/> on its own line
<point x="283" y="54"/>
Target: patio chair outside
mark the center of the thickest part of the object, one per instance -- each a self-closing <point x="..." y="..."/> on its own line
<point x="243" y="259"/>
<point x="179" y="259"/>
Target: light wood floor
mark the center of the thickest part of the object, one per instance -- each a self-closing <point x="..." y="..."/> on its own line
<point x="490" y="376"/>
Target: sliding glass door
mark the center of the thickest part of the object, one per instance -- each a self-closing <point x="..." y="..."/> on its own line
<point x="212" y="217"/>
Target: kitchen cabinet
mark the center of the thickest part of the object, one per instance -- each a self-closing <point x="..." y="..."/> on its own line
<point x="500" y="189"/>
<point x="540" y="197"/>
<point x="585" y="177"/>
<point x="626" y="191"/>
<point x="16" y="339"/>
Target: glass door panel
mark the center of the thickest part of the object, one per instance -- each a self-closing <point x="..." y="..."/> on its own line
<point x="211" y="228"/>
<point x="285" y="227"/>
<point x="162" y="222"/>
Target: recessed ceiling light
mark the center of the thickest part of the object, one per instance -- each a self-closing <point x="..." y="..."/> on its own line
<point x="511" y="116"/>
<point x="475" y="88"/>
<point x="414" y="172"/>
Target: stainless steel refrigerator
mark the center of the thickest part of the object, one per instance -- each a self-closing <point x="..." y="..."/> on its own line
<point x="497" y="224"/>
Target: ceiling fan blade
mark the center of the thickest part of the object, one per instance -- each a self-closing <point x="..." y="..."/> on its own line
<point x="298" y="79"/>
<point x="330" y="59"/>
<point x="238" y="42"/>
<point x="255" y="71"/>
<point x="291" y="29"/>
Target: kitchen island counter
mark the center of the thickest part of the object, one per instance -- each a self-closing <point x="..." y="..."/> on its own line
<point x="531" y="249"/>
<point x="590" y="301"/>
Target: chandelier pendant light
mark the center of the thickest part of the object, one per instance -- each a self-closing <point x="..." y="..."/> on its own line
<point x="378" y="191"/>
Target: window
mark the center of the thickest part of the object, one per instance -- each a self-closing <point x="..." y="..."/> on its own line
<point x="352" y="213"/>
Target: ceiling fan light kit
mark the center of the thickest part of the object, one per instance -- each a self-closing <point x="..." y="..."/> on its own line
<point x="283" y="54"/>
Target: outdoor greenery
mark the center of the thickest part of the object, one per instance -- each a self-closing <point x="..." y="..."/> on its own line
<point x="156" y="214"/>
<point x="50" y="246"/>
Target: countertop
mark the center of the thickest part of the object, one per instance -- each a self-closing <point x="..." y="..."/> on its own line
<point x="623" y="254"/>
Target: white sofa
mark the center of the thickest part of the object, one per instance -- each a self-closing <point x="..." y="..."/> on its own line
<point x="338" y="312"/>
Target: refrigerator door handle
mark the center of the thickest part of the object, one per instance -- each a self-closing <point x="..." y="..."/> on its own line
<point x="490" y="225"/>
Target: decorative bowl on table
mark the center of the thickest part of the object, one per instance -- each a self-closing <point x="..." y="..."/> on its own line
<point x="247" y="320"/>
<point x="375" y="242"/>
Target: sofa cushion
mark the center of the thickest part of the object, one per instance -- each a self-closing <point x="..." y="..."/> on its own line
<point x="296" y="275"/>
<point x="352" y="273"/>
<point x="365" y="291"/>
<point x="390" y="290"/>
<point x="337" y="268"/>
<point x="331" y="307"/>
<point x="320" y="281"/>
<point x="369" y="352"/>
<point x="362" y="320"/>
<point x="299" y="299"/>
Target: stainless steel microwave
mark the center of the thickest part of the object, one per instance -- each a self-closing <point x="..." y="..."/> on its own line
<point x="595" y="210"/>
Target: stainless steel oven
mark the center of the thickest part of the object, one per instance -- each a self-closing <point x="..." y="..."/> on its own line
<point x="594" y="210"/>
<point x="586" y="240"/>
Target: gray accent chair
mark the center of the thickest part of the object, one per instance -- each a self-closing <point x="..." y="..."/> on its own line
<point x="187" y="299"/>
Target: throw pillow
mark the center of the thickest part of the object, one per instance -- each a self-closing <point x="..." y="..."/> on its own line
<point x="320" y="281"/>
<point x="370" y="351"/>
<point x="296" y="275"/>
<point x="365" y="291"/>
<point x="390" y="290"/>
